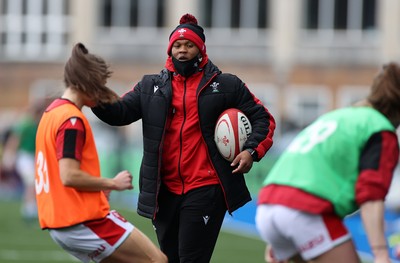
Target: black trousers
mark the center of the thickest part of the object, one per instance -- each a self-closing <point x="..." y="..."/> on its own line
<point x="187" y="226"/>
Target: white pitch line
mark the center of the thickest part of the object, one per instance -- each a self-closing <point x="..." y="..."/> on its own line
<point x="35" y="256"/>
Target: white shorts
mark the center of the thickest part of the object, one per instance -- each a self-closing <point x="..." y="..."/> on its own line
<point x="94" y="240"/>
<point x="291" y="232"/>
<point x="25" y="166"/>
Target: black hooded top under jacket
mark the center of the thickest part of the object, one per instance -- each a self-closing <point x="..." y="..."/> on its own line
<point x="150" y="100"/>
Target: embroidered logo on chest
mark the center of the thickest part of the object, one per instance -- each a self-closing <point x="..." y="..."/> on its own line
<point x="214" y="86"/>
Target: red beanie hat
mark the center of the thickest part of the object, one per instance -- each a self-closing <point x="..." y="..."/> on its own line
<point x="188" y="29"/>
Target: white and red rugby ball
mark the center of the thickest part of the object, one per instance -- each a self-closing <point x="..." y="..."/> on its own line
<point x="232" y="130"/>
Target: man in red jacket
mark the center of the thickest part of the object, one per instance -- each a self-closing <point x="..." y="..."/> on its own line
<point x="186" y="186"/>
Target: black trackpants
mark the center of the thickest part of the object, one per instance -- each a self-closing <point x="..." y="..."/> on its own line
<point x="187" y="226"/>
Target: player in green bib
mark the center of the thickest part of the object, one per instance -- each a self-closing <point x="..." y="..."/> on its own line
<point x="19" y="154"/>
<point x="342" y="162"/>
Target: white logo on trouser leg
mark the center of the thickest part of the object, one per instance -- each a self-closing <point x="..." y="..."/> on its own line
<point x="206" y="218"/>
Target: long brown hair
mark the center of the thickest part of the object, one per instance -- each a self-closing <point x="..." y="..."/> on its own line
<point x="88" y="74"/>
<point x="385" y="92"/>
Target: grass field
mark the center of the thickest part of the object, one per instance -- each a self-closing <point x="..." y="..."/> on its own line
<point x="21" y="242"/>
<point x="25" y="243"/>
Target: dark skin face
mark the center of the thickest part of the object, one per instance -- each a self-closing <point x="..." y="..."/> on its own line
<point x="184" y="50"/>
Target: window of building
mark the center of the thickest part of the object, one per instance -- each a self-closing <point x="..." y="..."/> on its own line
<point x="236" y="13"/>
<point x="339" y="31"/>
<point x="304" y="103"/>
<point x="237" y="29"/>
<point x="33" y="29"/>
<point x="215" y="13"/>
<point x="340" y="14"/>
<point x="132" y="13"/>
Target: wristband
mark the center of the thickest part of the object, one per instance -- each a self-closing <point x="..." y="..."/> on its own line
<point x="253" y="153"/>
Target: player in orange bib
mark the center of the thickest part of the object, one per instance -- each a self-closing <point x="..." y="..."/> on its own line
<point x="71" y="195"/>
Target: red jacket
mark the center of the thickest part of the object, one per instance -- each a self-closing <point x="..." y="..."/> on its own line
<point x="185" y="163"/>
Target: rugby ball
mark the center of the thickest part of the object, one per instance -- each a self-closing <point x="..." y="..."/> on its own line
<point x="231" y="132"/>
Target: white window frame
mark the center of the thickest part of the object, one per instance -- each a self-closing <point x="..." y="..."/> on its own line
<point x="327" y="45"/>
<point x="297" y="95"/>
<point x="24" y="33"/>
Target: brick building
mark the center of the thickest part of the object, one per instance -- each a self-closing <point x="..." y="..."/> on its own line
<point x="302" y="58"/>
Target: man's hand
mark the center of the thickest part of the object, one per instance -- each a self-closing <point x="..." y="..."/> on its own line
<point x="244" y="160"/>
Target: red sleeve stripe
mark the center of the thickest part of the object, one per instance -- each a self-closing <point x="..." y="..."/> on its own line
<point x="377" y="164"/>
